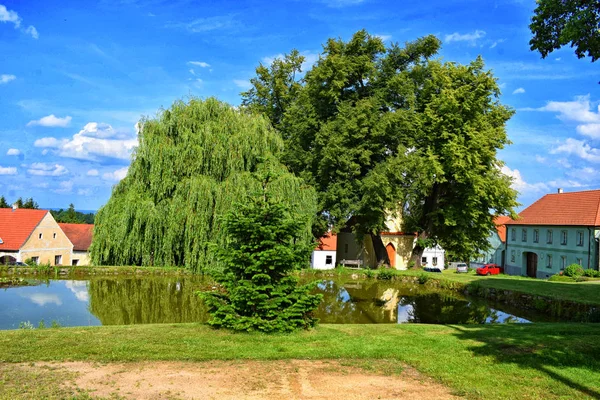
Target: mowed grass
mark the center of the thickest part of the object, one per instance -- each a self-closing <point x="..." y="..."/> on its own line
<point x="541" y="361"/>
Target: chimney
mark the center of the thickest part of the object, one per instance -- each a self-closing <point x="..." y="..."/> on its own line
<point x="14" y="206"/>
<point x="560" y="190"/>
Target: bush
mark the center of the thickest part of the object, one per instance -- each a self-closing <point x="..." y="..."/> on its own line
<point x="423" y="278"/>
<point x="573" y="270"/>
<point x="258" y="293"/>
<point x="592" y="273"/>
<point x="385" y="274"/>
<point x="560" y="278"/>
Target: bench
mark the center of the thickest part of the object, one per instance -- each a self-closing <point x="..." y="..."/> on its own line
<point x="351" y="263"/>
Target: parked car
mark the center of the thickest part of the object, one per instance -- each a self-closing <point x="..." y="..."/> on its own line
<point x="462" y="268"/>
<point x="489" y="269"/>
<point x="18" y="264"/>
<point x="432" y="269"/>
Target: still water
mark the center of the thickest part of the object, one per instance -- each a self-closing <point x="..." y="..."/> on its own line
<point x="145" y="300"/>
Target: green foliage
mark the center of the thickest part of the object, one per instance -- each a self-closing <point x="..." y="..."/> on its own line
<point x="28" y="203"/>
<point x="258" y="292"/>
<point x="557" y="23"/>
<point x="560" y="278"/>
<point x="573" y="271"/>
<point x="591" y="273"/>
<point x="70" y="216"/>
<point x="378" y="129"/>
<point x="385" y="274"/>
<point x="26" y="325"/>
<point x="194" y="162"/>
<point x="424" y="278"/>
<point x="3" y="203"/>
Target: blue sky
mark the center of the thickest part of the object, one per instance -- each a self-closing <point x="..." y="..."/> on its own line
<point x="76" y="76"/>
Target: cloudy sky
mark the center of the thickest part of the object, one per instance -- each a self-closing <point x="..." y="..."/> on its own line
<point x="76" y="76"/>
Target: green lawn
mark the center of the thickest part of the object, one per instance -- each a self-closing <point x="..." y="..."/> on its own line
<point x="549" y="361"/>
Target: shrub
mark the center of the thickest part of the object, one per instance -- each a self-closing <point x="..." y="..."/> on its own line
<point x="560" y="278"/>
<point x="423" y="278"/>
<point x="573" y="270"/>
<point x="258" y="293"/>
<point x="369" y="273"/>
<point x="385" y="274"/>
<point x="592" y="273"/>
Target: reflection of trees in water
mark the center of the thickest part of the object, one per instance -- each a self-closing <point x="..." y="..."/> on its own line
<point x="145" y="300"/>
<point x="443" y="308"/>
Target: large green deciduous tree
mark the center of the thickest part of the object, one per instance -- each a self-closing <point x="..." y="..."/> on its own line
<point x="194" y="161"/>
<point x="378" y="130"/>
<point x="557" y="23"/>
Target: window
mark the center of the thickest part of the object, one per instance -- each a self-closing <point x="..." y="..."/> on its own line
<point x="536" y="235"/>
<point x="549" y="261"/>
<point x="549" y="236"/>
<point x="434" y="261"/>
<point x="75" y="262"/>
<point x="513" y="234"/>
<point x="54" y="236"/>
<point x="579" y="238"/>
<point x="512" y="256"/>
<point x="563" y="262"/>
<point x="328" y="260"/>
<point x="57" y="260"/>
<point x="35" y="260"/>
<point x="580" y="261"/>
<point x="40" y="236"/>
<point x="423" y="260"/>
<point x="524" y="235"/>
<point x="563" y="237"/>
<point x="346" y="248"/>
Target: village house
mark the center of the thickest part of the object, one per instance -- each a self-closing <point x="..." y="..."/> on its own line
<point x="497" y="240"/>
<point x="556" y="231"/>
<point x="81" y="237"/>
<point x="324" y="255"/>
<point x="32" y="234"/>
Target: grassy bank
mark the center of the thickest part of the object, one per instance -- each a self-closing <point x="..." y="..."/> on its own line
<point x="547" y="361"/>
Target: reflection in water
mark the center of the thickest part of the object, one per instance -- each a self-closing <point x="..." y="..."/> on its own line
<point x="146" y="300"/>
<point x="79" y="289"/>
<point x="41" y="299"/>
<point x="385" y="302"/>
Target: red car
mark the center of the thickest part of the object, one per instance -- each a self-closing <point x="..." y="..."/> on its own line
<point x="489" y="269"/>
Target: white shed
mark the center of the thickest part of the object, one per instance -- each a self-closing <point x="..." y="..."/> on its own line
<point x="323" y="256"/>
<point x="433" y="257"/>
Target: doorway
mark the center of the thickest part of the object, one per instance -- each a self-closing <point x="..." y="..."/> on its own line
<point x="531" y="262"/>
<point x="391" y="253"/>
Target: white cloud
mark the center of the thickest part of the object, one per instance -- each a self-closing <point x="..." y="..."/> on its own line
<point x="13" y="152"/>
<point x="44" y="169"/>
<point x="585" y="173"/>
<point x="93" y="172"/>
<point x="471" y="38"/>
<point x="84" y="192"/>
<point x="496" y="43"/>
<point x="201" y="64"/>
<point x="578" y="148"/>
<point x="64" y="187"/>
<point x="518" y="91"/>
<point x="43" y="185"/>
<point x="590" y="130"/>
<point x="540" y="159"/>
<point x="242" y="83"/>
<point x="51" y="121"/>
<point x="519" y="184"/>
<point x="192" y="71"/>
<point x="7" y="15"/>
<point x="202" y="25"/>
<point x="8" y="170"/>
<point x="385" y="38"/>
<point x="115" y="175"/>
<point x="4" y="78"/>
<point x="93" y="141"/>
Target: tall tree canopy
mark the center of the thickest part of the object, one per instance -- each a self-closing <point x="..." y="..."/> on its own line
<point x="193" y="163"/>
<point x="557" y="23"/>
<point x="378" y="130"/>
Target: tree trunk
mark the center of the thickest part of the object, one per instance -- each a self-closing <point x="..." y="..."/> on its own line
<point x="417" y="252"/>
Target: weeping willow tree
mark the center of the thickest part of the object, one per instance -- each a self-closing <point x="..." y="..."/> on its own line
<point x="194" y="162"/>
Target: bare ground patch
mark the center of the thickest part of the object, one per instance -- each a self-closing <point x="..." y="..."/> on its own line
<point x="290" y="379"/>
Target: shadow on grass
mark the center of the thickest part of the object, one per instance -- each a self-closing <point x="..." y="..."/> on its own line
<point x="545" y="348"/>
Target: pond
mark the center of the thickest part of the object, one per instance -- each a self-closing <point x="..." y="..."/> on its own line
<point x="146" y="300"/>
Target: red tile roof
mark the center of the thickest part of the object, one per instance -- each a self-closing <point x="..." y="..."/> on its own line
<point x="500" y="221"/>
<point x="16" y="226"/>
<point x="79" y="234"/>
<point x="327" y="242"/>
<point x="574" y="208"/>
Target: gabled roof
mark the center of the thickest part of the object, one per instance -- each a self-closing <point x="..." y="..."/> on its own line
<point x="328" y="242"/>
<point x="500" y="221"/>
<point x="79" y="234"/>
<point x="17" y="225"/>
<point x="571" y="209"/>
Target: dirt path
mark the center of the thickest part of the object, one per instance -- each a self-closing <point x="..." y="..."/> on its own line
<point x="294" y="379"/>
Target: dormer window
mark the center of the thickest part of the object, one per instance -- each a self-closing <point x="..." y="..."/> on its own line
<point x="1" y="241"/>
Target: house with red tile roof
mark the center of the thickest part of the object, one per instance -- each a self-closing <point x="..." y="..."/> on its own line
<point x="323" y="256"/>
<point x="558" y="230"/>
<point x="81" y="237"/>
<point x="32" y="234"/>
<point x="497" y="252"/>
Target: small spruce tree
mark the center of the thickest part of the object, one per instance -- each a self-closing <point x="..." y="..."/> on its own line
<point x="257" y="293"/>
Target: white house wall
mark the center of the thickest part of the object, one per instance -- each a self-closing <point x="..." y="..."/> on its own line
<point x="319" y="259"/>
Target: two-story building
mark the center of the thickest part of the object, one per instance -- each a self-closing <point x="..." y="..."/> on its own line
<point x="496" y="253"/>
<point x="556" y="231"/>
